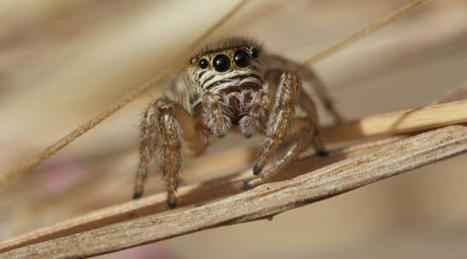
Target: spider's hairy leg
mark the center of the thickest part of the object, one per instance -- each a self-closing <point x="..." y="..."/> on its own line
<point x="321" y="92"/>
<point x="168" y="148"/>
<point x="307" y="74"/>
<point x="308" y="106"/>
<point x="300" y="138"/>
<point x="169" y="153"/>
<point x="195" y="139"/>
<point x="312" y="116"/>
<point x="148" y="141"/>
<point x="280" y="118"/>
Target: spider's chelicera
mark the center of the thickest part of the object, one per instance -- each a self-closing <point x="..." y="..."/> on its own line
<point x="231" y="85"/>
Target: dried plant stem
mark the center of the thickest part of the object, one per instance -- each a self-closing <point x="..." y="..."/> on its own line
<point x="363" y="32"/>
<point x="406" y="121"/>
<point x="158" y="78"/>
<point x="264" y="201"/>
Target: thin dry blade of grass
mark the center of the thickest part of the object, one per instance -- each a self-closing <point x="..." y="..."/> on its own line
<point x="399" y="122"/>
<point x="364" y="31"/>
<point x="264" y="201"/>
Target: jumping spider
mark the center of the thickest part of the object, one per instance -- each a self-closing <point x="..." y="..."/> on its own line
<point x="233" y="84"/>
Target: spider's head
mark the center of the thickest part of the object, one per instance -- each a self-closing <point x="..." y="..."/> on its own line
<point x="233" y="58"/>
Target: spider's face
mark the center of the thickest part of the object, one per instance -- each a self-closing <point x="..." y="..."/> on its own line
<point x="226" y="66"/>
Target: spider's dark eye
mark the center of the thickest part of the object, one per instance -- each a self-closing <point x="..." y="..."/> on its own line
<point x="254" y="52"/>
<point x="221" y="63"/>
<point x="241" y="58"/>
<point x="203" y="63"/>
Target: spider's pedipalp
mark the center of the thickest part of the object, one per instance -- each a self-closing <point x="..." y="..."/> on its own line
<point x="255" y="120"/>
<point x="213" y="113"/>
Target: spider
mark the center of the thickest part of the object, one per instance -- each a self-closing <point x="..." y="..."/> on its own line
<point x="232" y="84"/>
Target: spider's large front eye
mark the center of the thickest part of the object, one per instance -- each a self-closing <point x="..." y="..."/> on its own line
<point x="221" y="63"/>
<point x="241" y="58"/>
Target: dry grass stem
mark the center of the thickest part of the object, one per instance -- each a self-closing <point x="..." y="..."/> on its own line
<point x="267" y="200"/>
<point x="399" y="122"/>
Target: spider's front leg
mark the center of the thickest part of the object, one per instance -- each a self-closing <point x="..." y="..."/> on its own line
<point x="280" y="118"/>
<point x="279" y="127"/>
<point x="278" y="64"/>
<point x="161" y="137"/>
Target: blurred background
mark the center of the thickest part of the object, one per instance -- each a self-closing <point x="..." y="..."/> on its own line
<point x="62" y="62"/>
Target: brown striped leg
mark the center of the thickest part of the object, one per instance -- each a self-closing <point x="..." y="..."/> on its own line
<point x="322" y="94"/>
<point x="165" y="128"/>
<point x="307" y="104"/>
<point x="147" y="143"/>
<point x="280" y="118"/>
<point x="278" y="63"/>
<point x="312" y="116"/>
<point x="300" y="140"/>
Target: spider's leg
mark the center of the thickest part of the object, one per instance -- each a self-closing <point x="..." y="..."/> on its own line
<point x="196" y="139"/>
<point x="148" y="141"/>
<point x="280" y="118"/>
<point x="304" y="131"/>
<point x="309" y="107"/>
<point x="169" y="153"/>
<point x="168" y="150"/>
<point x="307" y="74"/>
<point x="300" y="140"/>
<point x="322" y="94"/>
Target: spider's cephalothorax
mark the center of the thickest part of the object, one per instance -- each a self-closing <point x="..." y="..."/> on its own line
<point x="230" y="89"/>
<point x="232" y="84"/>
